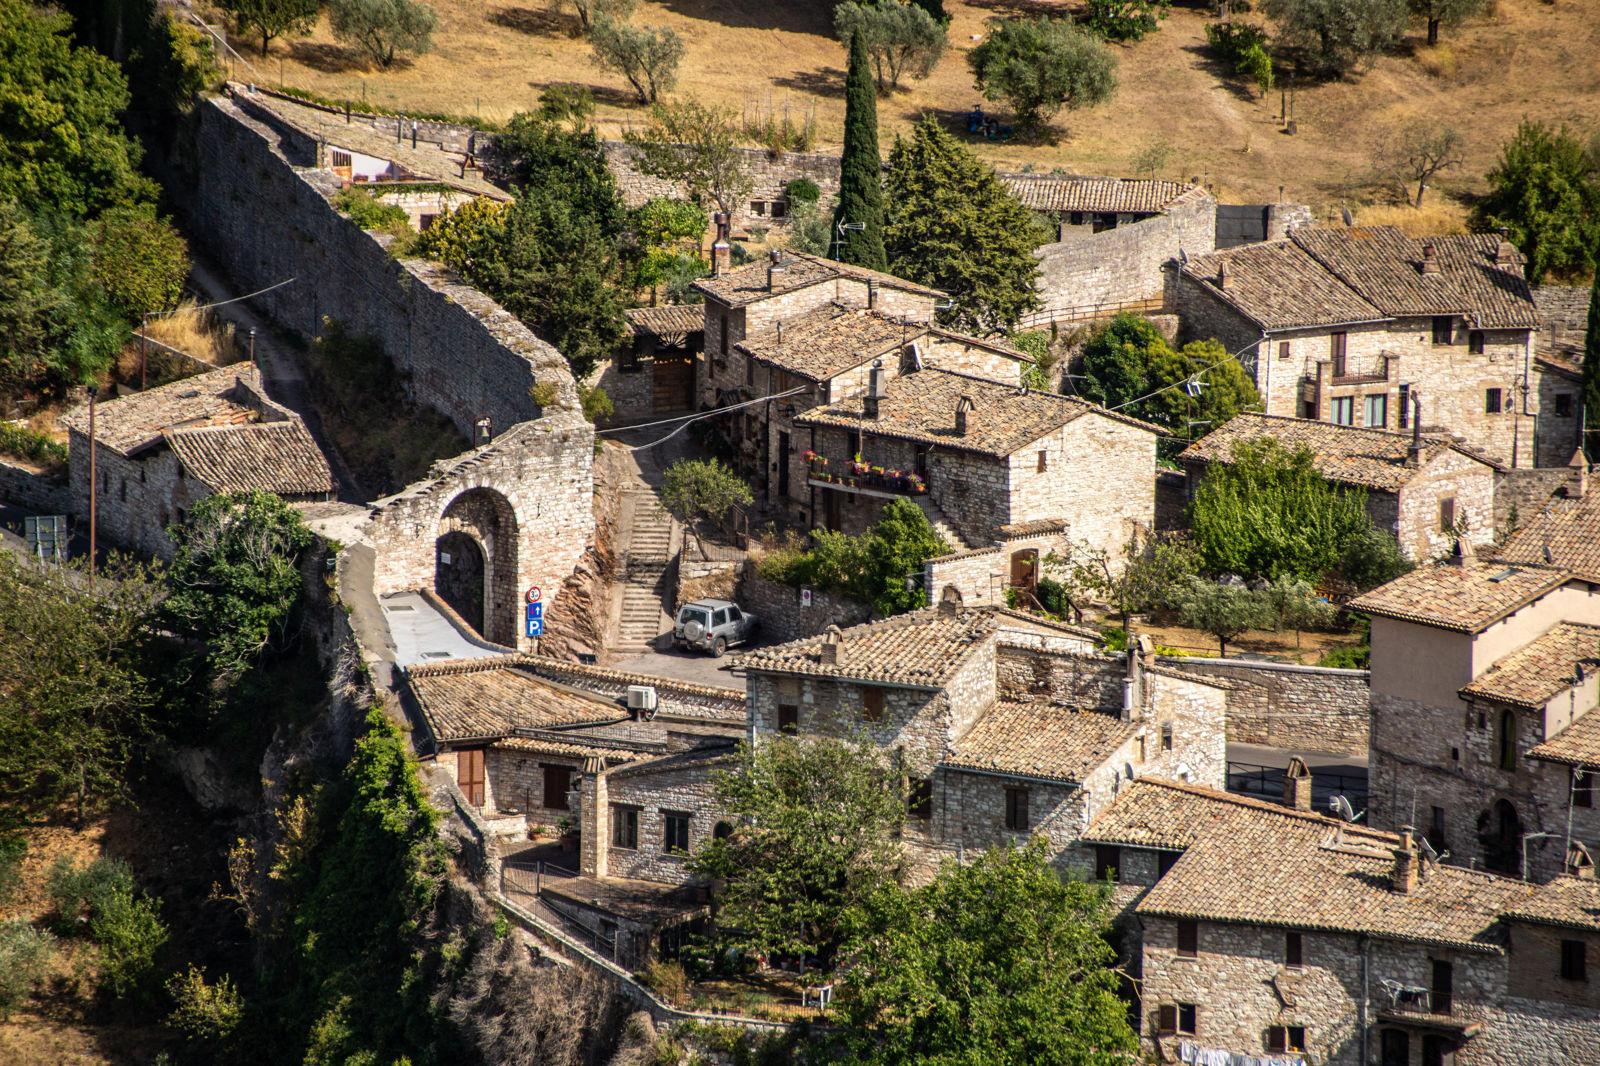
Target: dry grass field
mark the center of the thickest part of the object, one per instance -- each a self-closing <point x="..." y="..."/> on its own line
<point x="1528" y="58"/>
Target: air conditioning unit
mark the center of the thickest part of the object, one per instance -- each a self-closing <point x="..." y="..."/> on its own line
<point x="642" y="701"/>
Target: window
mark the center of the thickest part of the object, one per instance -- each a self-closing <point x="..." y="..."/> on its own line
<point x="1574" y="960"/>
<point x="1076" y="218"/>
<point x="735" y="615"/>
<point x="1563" y="405"/>
<point x="557" y="784"/>
<point x="1342" y="411"/>
<point x="780" y="208"/>
<point x="1107" y="862"/>
<point x="1508" y="740"/>
<point x="1443" y="329"/>
<point x="1017" y="809"/>
<point x="1404" y="421"/>
<point x="1188" y="938"/>
<point x="1308" y="410"/>
<point x="1283" y="349"/>
<point x="722" y="334"/>
<point x="749" y="371"/>
<point x="425" y="220"/>
<point x="1338" y="346"/>
<point x="1166" y="736"/>
<point x="674" y="832"/>
<point x="1395" y="1048"/>
<point x="124" y="490"/>
<point x="1293" y="949"/>
<point x="1475" y="342"/>
<point x="1165" y="861"/>
<point x="919" y="798"/>
<point x="1044" y="461"/>
<point x="1491" y="401"/>
<point x="788" y="718"/>
<point x="1443" y="987"/>
<point x="758" y="207"/>
<point x="1286" y="1038"/>
<point x="624" y="827"/>
<point x="720" y="619"/>
<point x="1188" y="1019"/>
<point x="1582" y="788"/>
<point x="1447" y="514"/>
<point x="872" y="704"/>
<point x="1436" y="834"/>
<point x="1377" y="411"/>
<point x="1176" y="1018"/>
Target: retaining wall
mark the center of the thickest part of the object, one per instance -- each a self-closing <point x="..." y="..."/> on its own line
<point x="1307" y="708"/>
<point x="783" y="618"/>
<point x="32" y="491"/>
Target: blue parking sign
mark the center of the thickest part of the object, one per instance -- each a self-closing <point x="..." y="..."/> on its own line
<point x="535" y="626"/>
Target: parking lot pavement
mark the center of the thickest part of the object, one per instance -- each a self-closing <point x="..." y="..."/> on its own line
<point x="696" y="667"/>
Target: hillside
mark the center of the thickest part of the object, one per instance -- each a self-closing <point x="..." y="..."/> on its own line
<point x="1529" y="58"/>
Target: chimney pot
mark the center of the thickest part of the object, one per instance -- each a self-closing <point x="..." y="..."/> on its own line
<point x="963" y="406"/>
<point x="950" y="600"/>
<point x="1505" y="253"/>
<point x="1222" y="275"/>
<point x="872" y="295"/>
<point x="1430" y="259"/>
<point x="877" y="389"/>
<point x="832" y="650"/>
<point x="721" y="250"/>
<point x="1579" y="862"/>
<point x="1297" y="784"/>
<point x="1403" y="879"/>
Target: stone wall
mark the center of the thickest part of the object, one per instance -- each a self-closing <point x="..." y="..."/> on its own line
<point x="1305" y="708"/>
<point x="679" y="785"/>
<point x="137" y="499"/>
<point x="784" y="619"/>
<point x="1453" y="476"/>
<point x="769" y="174"/>
<point x="32" y="491"/>
<point x="1521" y="494"/>
<point x="1121" y="265"/>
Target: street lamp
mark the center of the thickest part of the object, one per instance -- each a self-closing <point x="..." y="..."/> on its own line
<point x="840" y="229"/>
<point x="94" y="390"/>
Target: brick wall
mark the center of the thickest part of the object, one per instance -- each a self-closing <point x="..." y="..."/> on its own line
<point x="1307" y="708"/>
<point x="1124" y="264"/>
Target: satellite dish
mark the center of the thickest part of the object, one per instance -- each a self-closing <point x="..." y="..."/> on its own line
<point x="1349" y="219"/>
<point x="1340" y="806"/>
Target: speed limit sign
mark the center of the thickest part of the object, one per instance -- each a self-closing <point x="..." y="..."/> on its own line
<point x="535" y="594"/>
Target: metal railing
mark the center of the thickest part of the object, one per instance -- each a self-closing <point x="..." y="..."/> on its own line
<point x="1266" y="782"/>
<point x="1086" y="312"/>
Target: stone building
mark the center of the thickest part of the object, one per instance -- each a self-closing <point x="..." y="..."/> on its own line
<point x="1352" y="325"/>
<point x="1006" y="727"/>
<point x="1426" y="491"/>
<point x="990" y="463"/>
<point x="1485" y="676"/>
<point x="653" y="375"/>
<point x="157" y="453"/>
<point x="1283" y="936"/>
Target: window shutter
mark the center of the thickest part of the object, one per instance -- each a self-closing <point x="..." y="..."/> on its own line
<point x="1167" y="1018"/>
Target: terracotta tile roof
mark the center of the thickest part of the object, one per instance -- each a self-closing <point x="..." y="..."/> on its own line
<point x="544" y="744"/>
<point x="1569" y="528"/>
<point x="1057" y="192"/>
<point x="1383" y="265"/>
<point x="829" y="340"/>
<point x="480" y="699"/>
<point x="1576" y="745"/>
<point x="1351" y="455"/>
<point x="1571" y="902"/>
<point x="575" y="673"/>
<point x="1278" y="285"/>
<point x="1462" y="598"/>
<point x="922" y="406"/>
<point x="1536" y="672"/>
<point x="1038" y="527"/>
<point x="275" y="457"/>
<point x="1040" y="740"/>
<point x="748" y="284"/>
<point x="1168" y="815"/>
<point x="216" y="398"/>
<point x="667" y="321"/>
<point x="922" y="649"/>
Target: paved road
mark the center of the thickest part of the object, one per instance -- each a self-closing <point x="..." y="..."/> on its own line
<point x="421" y="634"/>
<point x="684" y="666"/>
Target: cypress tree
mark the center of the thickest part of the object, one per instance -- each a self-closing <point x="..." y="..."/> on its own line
<point x="1591" y="372"/>
<point x="861" y="168"/>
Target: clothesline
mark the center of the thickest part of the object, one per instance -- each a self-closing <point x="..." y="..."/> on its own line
<point x="1194" y="1055"/>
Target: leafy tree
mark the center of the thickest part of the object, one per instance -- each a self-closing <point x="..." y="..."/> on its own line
<point x="695" y="144"/>
<point x="647" y="56"/>
<point x="273" y="18"/>
<point x="698" y="489"/>
<point x="63" y="149"/>
<point x="1337" y="36"/>
<point x="810" y="227"/>
<point x="1415" y="153"/>
<point x="172" y="65"/>
<point x="1126" y="20"/>
<point x="1267" y="512"/>
<point x="139" y="259"/>
<point x="817" y="836"/>
<point x="74" y="684"/>
<point x="1372" y="558"/>
<point x="999" y="961"/>
<point x="1450" y="13"/>
<point x="1116" y="360"/>
<point x="126" y="924"/>
<point x="1156" y="153"/>
<point x="555" y="151"/>
<point x="593" y="12"/>
<point x="24" y="961"/>
<point x="1040" y="65"/>
<point x="873" y="567"/>
<point x="1545" y="194"/>
<point x="1591" y="371"/>
<point x="1256" y="65"/>
<point x="1223" y="609"/>
<point x="902" y="39"/>
<point x="860" y="169"/>
<point x="235" y="576"/>
<point x="666" y="242"/>
<point x="383" y="28"/>
<point x="1197" y="389"/>
<point x="1296" y="605"/>
<point x="207" y="1014"/>
<point x="951" y="224"/>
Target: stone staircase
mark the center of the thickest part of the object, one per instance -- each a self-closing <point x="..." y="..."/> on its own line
<point x="942" y="525"/>
<point x="646" y="557"/>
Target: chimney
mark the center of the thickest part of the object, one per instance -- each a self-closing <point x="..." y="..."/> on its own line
<point x="877" y="389"/>
<point x="949" y="600"/>
<point x="832" y="651"/>
<point x="1579" y="484"/>
<point x="1297" y="784"/>
<point x="721" y="250"/>
<point x="1403" y="879"/>
<point x="1463" y="554"/>
<point x="1579" y="862"/>
<point x="1505" y="253"/>
<point x="774" y="266"/>
<point x="1222" y="275"/>
<point x="963" y="405"/>
<point x="1414" y="452"/>
<point x="1430" y="259"/>
<point x="872" y="295"/>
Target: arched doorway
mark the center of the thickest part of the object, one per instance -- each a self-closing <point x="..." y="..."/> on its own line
<point x="478" y="531"/>
<point x="1502" y="844"/>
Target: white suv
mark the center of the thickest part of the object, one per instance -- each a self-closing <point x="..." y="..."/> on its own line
<point x="712" y="625"/>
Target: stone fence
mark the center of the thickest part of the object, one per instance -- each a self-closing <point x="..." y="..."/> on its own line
<point x="1284" y="705"/>
<point x="30" y="490"/>
<point x="781" y="614"/>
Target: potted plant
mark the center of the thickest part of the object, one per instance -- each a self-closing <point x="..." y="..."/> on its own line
<point x="568" y="830"/>
<point x="916" y="485"/>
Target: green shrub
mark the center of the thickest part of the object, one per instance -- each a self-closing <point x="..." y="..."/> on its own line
<point x="371" y="213"/>
<point x="669" y="981"/>
<point x="127" y="925"/>
<point x="24" y="956"/>
<point x="75" y="892"/>
<point x="1126" y="20"/>
<point x="875" y="567"/>
<point x="1231" y="40"/>
<point x="1053" y="596"/>
<point x="597" y="405"/>
<point x="11" y="853"/>
<point x="1372" y="558"/>
<point x="20" y="442"/>
<point x="802" y="191"/>
<point x="205" y="1013"/>
<point x="1357" y="657"/>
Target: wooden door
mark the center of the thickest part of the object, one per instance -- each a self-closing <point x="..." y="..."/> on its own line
<point x="469" y="775"/>
<point x="672" y="380"/>
<point x="557" y="783"/>
<point x="1025" y="568"/>
<point x="832" y="518"/>
<point x="783" y="464"/>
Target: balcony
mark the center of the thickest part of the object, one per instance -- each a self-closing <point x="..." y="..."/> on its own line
<point x="863" y="479"/>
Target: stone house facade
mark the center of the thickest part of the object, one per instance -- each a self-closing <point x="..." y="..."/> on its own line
<point x="1484" y="684"/>
<point x="653" y="374"/>
<point x="157" y="453"/>
<point x="1353" y="326"/>
<point x="1425" y="491"/>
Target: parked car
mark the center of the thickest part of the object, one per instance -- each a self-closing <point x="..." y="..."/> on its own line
<point x="713" y="626"/>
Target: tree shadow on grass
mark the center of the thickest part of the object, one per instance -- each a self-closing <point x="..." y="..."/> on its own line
<point x="536" y="22"/>
<point x="790" y="15"/>
<point x="826" y="82"/>
<point x="1024" y="8"/>
<point x="328" y="58"/>
<point x="603" y="94"/>
<point x="1207" y="61"/>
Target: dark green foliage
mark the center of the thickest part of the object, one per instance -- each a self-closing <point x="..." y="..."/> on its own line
<point x="12" y="851"/>
<point x="1337" y="36"/>
<point x="140" y="261"/>
<point x="698" y="489"/>
<point x="802" y="190"/>
<point x="1591" y="372"/>
<point x="1126" y="20"/>
<point x="1116" y="360"/>
<point x="1545" y="194"/>
<point x="1242" y="48"/>
<point x="860" y="168"/>
<point x="871" y="567"/>
<point x="1224" y="609"/>
<point x="1268" y="512"/>
<point x="235" y="577"/>
<point x="371" y="212"/>
<point x="1372" y="558"/>
<point x="817" y="832"/>
<point x="1358" y="657"/>
<point x="1041" y="65"/>
<point x="273" y="18"/>
<point x="903" y="39"/>
<point x="102" y="900"/>
<point x="383" y="29"/>
<point x="666" y="244"/>
<point x="951" y="224"/>
<point x="998" y="961"/>
<point x="24" y="961"/>
<point x="171" y="63"/>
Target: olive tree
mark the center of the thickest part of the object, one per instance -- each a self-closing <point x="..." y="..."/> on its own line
<point x="901" y="39"/>
<point x="647" y="56"/>
<point x="383" y="28"/>
<point x="1042" y="65"/>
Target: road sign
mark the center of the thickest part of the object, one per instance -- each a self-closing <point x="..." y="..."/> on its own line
<point x="805" y="597"/>
<point x="535" y="610"/>
<point x="535" y="626"/>
<point x="535" y="594"/>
